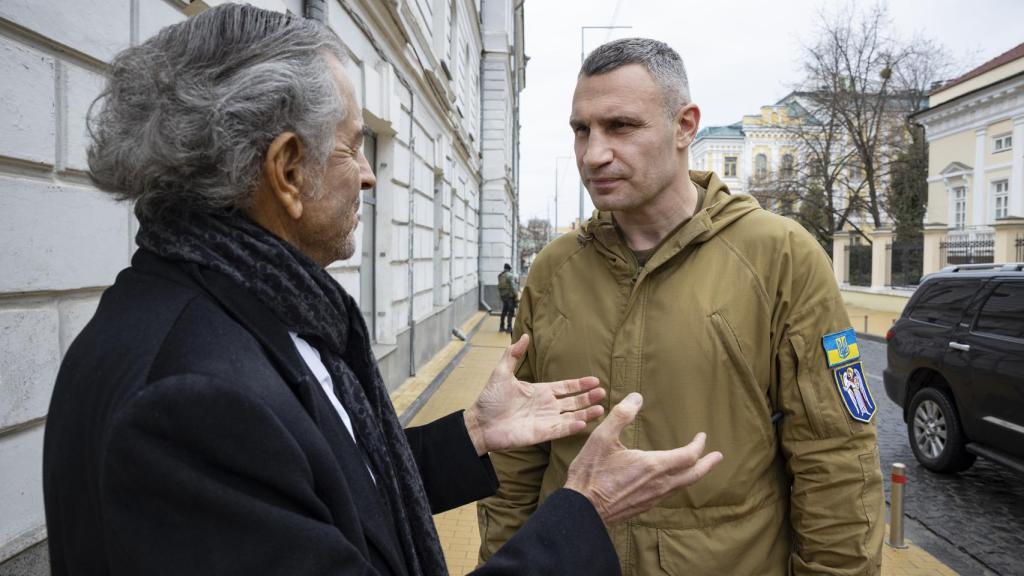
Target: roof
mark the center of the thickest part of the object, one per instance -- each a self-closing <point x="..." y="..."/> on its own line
<point x="732" y="131"/>
<point x="1004" y="58"/>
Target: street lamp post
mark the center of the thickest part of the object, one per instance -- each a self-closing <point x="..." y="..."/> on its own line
<point x="583" y="30"/>
<point x="557" y="159"/>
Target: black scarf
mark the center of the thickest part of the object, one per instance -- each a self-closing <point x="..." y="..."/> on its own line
<point x="306" y="299"/>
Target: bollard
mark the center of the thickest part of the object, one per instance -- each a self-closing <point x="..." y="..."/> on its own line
<point x="899" y="482"/>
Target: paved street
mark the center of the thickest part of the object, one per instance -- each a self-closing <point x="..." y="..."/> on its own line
<point x="980" y="511"/>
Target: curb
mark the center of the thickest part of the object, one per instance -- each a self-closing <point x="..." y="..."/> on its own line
<point x="428" y="392"/>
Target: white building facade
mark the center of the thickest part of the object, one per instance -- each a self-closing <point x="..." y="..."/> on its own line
<point x="439" y="83"/>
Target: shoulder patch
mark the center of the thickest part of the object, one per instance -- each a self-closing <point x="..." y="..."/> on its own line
<point x="841" y="347"/>
<point x="853" y="389"/>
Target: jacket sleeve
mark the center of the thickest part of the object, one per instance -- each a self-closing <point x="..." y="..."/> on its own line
<point x="452" y="473"/>
<point x="564" y="536"/>
<point x="199" y="478"/>
<point x="836" y="507"/>
<point x="519" y="471"/>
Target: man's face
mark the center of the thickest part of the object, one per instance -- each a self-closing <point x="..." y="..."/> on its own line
<point x="625" y="141"/>
<point x="329" y="222"/>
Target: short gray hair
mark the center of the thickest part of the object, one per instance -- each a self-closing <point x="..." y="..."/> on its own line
<point x="664" y="64"/>
<point x="186" y="118"/>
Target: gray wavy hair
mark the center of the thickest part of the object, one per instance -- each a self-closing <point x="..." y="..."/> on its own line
<point x="186" y="118"/>
<point x="664" y="64"/>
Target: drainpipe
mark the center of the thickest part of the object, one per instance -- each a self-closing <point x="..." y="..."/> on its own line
<point x="412" y="233"/>
<point x="480" y="197"/>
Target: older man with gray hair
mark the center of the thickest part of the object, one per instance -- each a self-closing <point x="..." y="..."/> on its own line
<point x="720" y="313"/>
<point x="222" y="413"/>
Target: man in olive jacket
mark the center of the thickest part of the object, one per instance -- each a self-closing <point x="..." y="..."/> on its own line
<point x="727" y="318"/>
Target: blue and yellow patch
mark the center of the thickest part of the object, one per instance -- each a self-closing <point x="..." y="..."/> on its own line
<point x="841" y="347"/>
<point x="853" y="389"/>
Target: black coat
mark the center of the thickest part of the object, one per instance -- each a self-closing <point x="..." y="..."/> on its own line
<point x="187" y="436"/>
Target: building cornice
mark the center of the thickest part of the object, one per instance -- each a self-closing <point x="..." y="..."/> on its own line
<point x="975" y="110"/>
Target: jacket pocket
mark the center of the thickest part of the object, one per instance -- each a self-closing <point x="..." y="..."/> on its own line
<point x="762" y="536"/>
<point x="759" y="399"/>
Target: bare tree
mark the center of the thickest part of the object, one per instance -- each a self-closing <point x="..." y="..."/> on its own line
<point x="532" y="237"/>
<point x="861" y="84"/>
<point x="850" y="69"/>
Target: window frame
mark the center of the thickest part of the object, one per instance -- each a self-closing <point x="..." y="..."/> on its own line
<point x="1002" y="143"/>
<point x="979" y="286"/>
<point x="998" y="195"/>
<point x="760" y="166"/>
<point x="990" y="290"/>
<point x="726" y="165"/>
<point x="959" y="217"/>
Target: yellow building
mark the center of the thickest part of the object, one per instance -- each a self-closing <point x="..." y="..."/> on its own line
<point x="974" y="126"/>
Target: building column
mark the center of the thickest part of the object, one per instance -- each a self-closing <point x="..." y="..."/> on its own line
<point x="978" y="193"/>
<point x="1008" y="231"/>
<point x="934" y="234"/>
<point x="880" y="239"/>
<point x="1016" y="207"/>
<point x="840" y="264"/>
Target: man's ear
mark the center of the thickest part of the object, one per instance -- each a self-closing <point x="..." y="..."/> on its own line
<point x="282" y="172"/>
<point x="687" y="122"/>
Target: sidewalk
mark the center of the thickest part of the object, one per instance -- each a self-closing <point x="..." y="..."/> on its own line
<point x="458" y="528"/>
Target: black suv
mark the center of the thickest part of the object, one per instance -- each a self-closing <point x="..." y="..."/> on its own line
<point x="956" y="366"/>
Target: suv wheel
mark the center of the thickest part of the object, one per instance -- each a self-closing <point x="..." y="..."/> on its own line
<point x="936" y="436"/>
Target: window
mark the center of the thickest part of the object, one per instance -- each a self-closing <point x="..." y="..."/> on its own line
<point x="1001" y="197"/>
<point x="787" y="166"/>
<point x="730" y="166"/>
<point x="855" y="172"/>
<point x="1002" y="143"/>
<point x="944" y="302"/>
<point x="1003" y="312"/>
<point x="959" y="207"/>
<point x="760" y="167"/>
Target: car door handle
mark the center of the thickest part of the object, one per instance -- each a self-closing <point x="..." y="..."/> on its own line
<point x="960" y="347"/>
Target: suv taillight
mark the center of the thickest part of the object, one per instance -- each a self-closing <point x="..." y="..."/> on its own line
<point x="888" y="335"/>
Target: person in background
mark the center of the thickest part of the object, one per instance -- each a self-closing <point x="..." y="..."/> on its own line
<point x="509" y="293"/>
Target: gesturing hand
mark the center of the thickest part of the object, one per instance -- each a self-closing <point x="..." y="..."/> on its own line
<point x="510" y="413"/>
<point x="622" y="483"/>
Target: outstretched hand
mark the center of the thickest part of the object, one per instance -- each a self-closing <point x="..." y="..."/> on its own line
<point x="510" y="413"/>
<point x="621" y="482"/>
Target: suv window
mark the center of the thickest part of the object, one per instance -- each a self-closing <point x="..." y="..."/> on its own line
<point x="944" y="301"/>
<point x="1003" y="312"/>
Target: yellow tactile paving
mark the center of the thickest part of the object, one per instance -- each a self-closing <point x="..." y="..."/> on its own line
<point x="457" y="528"/>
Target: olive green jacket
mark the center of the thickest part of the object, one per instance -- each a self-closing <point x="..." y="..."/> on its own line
<point x="719" y="331"/>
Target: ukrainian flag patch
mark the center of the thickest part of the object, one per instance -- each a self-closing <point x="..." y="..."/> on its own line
<point x="841" y="347"/>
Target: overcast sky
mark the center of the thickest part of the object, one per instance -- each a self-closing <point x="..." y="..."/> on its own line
<point x="739" y="55"/>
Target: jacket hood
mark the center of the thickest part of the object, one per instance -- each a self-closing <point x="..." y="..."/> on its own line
<point x="718" y="211"/>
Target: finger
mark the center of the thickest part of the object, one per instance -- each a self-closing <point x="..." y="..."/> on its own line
<point x="512" y="355"/>
<point x="518" y="349"/>
<point x="682" y="458"/>
<point x="622" y="415"/>
<point x="574" y="386"/>
<point x="581" y="401"/>
<point x="699" y="470"/>
<point x="565" y="427"/>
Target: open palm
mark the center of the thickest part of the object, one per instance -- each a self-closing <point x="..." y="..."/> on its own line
<point x="510" y="413"/>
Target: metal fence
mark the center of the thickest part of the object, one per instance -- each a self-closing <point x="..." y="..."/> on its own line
<point x="978" y="251"/>
<point x="906" y="261"/>
<point x="859" y="260"/>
